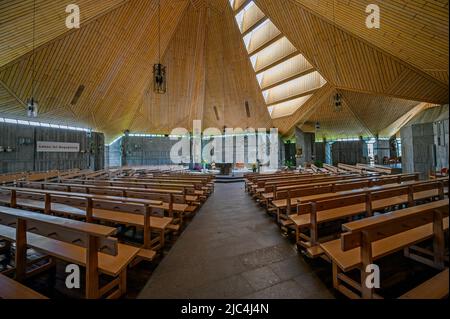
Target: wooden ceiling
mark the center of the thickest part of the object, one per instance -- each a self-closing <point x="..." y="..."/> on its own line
<point x="381" y="74"/>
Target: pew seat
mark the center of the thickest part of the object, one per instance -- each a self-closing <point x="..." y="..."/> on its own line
<point x="346" y="211"/>
<point x="434" y="288"/>
<point x="11" y="289"/>
<point x="40" y="205"/>
<point x="158" y="223"/>
<point x="107" y="264"/>
<point x="348" y="260"/>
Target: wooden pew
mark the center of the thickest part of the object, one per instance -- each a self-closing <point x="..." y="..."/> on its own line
<point x="186" y="188"/>
<point x="87" y="245"/>
<point x="326" y="190"/>
<point x="143" y="193"/>
<point x="434" y="288"/>
<point x="142" y="213"/>
<point x="333" y="169"/>
<point x="376" y="168"/>
<point x="364" y="241"/>
<point x="355" y="169"/>
<point x="340" y="184"/>
<point x="252" y="179"/>
<point x="313" y="213"/>
<point x="11" y="289"/>
<point x="261" y="186"/>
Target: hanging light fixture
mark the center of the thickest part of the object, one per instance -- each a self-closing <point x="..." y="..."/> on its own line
<point x="337" y="102"/>
<point x="159" y="70"/>
<point x="32" y="105"/>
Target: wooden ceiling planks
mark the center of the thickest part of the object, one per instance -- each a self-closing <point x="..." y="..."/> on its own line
<point x="414" y="31"/>
<point x="368" y="109"/>
<point x="230" y="79"/>
<point x="335" y="123"/>
<point x="347" y="61"/>
<point x="112" y="57"/>
<point x="381" y="76"/>
<point x="185" y="62"/>
<point x="286" y="124"/>
<point x="16" y="27"/>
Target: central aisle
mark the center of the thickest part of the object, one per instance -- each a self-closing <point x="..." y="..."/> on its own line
<point x="232" y="249"/>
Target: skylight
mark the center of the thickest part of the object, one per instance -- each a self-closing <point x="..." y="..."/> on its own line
<point x="34" y="123"/>
<point x="287" y="80"/>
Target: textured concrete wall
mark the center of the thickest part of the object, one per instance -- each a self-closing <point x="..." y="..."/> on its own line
<point x="156" y="151"/>
<point x="418" y="149"/>
<point x="349" y="152"/>
<point x="381" y="149"/>
<point x="305" y="141"/>
<point x="22" y="139"/>
<point x="407" y="149"/>
<point x="149" y="150"/>
<point x="114" y="157"/>
<point x="320" y="152"/>
<point x="440" y="130"/>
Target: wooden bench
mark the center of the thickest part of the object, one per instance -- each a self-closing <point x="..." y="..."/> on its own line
<point x="311" y="214"/>
<point x="11" y="289"/>
<point x="88" y="245"/>
<point x="145" y="214"/>
<point x="422" y="190"/>
<point x="364" y="241"/>
<point x="434" y="288"/>
<point x="166" y="196"/>
<point x="294" y="192"/>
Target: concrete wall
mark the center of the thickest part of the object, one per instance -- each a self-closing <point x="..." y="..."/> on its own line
<point x="137" y="150"/>
<point x="441" y="140"/>
<point x="113" y="156"/>
<point x="320" y="152"/>
<point x="305" y="141"/>
<point x="425" y="141"/>
<point x="148" y="150"/>
<point x="418" y="149"/>
<point x="22" y="139"/>
<point x="381" y="149"/>
<point x="349" y="152"/>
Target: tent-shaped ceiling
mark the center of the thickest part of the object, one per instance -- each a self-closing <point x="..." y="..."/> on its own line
<point x="233" y="63"/>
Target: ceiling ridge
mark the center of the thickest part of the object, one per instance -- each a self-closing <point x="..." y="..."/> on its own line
<point x="359" y="38"/>
<point x="355" y="115"/>
<point x="141" y="102"/>
<point x="11" y="92"/>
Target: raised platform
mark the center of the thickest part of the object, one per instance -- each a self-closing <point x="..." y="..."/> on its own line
<point x="235" y="178"/>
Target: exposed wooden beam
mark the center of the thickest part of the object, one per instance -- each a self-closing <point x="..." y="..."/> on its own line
<point x="275" y="63"/>
<point x="293" y="97"/>
<point x="289" y="78"/>
<point x="255" y="25"/>
<point x="242" y="6"/>
<point x="266" y="44"/>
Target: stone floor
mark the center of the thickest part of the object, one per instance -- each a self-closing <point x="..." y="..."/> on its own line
<point x="232" y="249"/>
